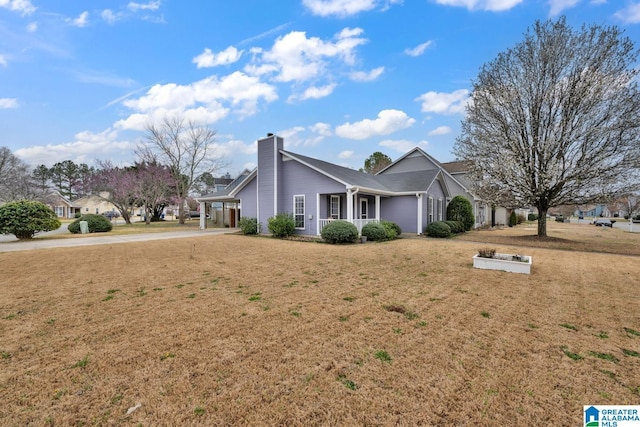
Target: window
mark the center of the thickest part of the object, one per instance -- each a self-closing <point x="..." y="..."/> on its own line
<point x="298" y="211"/>
<point x="364" y="208"/>
<point x="59" y="211"/>
<point x="334" y="209"/>
<point x="439" y="209"/>
<point x="430" y="210"/>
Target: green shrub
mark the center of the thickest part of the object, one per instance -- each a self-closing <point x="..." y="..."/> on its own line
<point x="460" y="209"/>
<point x="339" y="232"/>
<point x="374" y="231"/>
<point x="26" y="218"/>
<point x="281" y="225"/>
<point x="77" y="215"/>
<point x="393" y="230"/>
<point x="532" y="217"/>
<point x="455" y="226"/>
<point x="248" y="225"/>
<point x="513" y="219"/>
<point x="438" y="229"/>
<point x="96" y="223"/>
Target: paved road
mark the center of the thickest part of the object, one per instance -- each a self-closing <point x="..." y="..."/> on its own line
<point x="12" y="244"/>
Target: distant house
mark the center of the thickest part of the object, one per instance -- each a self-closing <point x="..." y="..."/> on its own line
<point x="62" y="206"/>
<point x="413" y="191"/>
<point x="95" y="204"/>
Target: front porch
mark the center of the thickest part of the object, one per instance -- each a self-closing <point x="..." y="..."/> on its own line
<point x="353" y="206"/>
<point x="359" y="223"/>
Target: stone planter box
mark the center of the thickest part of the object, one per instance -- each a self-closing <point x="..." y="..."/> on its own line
<point x="503" y="262"/>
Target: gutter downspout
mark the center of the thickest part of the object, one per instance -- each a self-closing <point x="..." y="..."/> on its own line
<point x="419" y="197"/>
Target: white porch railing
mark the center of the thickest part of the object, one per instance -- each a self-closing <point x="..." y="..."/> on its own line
<point x="359" y="223"/>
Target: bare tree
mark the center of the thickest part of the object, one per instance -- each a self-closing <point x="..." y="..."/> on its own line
<point x="121" y="184"/>
<point x="154" y="185"/>
<point x="183" y="146"/>
<point x="555" y="120"/>
<point x="15" y="178"/>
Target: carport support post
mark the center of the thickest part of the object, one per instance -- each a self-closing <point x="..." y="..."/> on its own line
<point x="203" y="215"/>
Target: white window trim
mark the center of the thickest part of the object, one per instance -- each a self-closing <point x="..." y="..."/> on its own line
<point x="295" y="214"/>
<point x="366" y="202"/>
<point x="431" y="210"/>
<point x="334" y="197"/>
<point x="440" y="209"/>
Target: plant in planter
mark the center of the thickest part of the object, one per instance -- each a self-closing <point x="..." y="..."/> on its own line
<point x="488" y="259"/>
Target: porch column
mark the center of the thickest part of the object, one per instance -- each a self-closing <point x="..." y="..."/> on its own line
<point x="349" y="206"/>
<point x="318" y="214"/>
<point x="203" y="215"/>
<point x="419" y="197"/>
<point x="378" y="207"/>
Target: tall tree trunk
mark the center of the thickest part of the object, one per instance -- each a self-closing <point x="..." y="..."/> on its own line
<point x="181" y="213"/>
<point x="542" y="221"/>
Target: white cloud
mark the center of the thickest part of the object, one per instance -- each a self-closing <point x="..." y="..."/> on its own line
<point x="320" y="128"/>
<point x="347" y="154"/>
<point x="557" y="6"/>
<point x="204" y="101"/>
<point x="444" y="103"/>
<point x="388" y="121"/>
<point x="32" y="27"/>
<point x="362" y="76"/>
<point x="630" y="14"/>
<point x="23" y="6"/>
<point x="109" y="16"/>
<point x="402" y="145"/>
<point x="339" y="8"/>
<point x="440" y="130"/>
<point x="210" y="59"/>
<point x="418" y="50"/>
<point x="3" y="61"/>
<point x="296" y="58"/>
<point x="86" y="148"/>
<point x="152" y="5"/>
<point x="6" y="103"/>
<point x="81" y="21"/>
<point x="314" y="92"/>
<point x="490" y="5"/>
<point x="233" y="147"/>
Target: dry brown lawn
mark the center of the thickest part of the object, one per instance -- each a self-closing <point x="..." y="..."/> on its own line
<point x="233" y="330"/>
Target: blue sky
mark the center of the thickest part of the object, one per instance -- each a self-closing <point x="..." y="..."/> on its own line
<point x="338" y="79"/>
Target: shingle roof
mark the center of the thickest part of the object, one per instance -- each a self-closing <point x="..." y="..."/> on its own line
<point x="457" y="166"/>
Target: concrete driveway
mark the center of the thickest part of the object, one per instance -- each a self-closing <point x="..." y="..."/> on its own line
<point x="11" y="244"/>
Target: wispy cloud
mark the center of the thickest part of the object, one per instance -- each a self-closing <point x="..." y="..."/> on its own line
<point x="418" y="50"/>
<point x="210" y="59"/>
<point x="152" y="5"/>
<point x="24" y="7"/>
<point x="444" y="103"/>
<point x="265" y="34"/>
<point x="32" y="27"/>
<point x="362" y="76"/>
<point x="630" y="14"/>
<point x="557" y="6"/>
<point x="489" y="5"/>
<point x="3" y="61"/>
<point x="440" y="130"/>
<point x="7" y="103"/>
<point x="388" y="121"/>
<point x="81" y="21"/>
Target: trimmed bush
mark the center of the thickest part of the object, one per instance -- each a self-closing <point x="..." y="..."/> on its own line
<point x="248" y="225"/>
<point x="374" y="231"/>
<point x="438" y="229"/>
<point x="339" y="232"/>
<point x="513" y="219"/>
<point x="26" y="218"/>
<point x="460" y="209"/>
<point x="532" y="217"/>
<point x="96" y="223"/>
<point x="455" y="226"/>
<point x="393" y="230"/>
<point x="281" y="225"/>
<point x="521" y="218"/>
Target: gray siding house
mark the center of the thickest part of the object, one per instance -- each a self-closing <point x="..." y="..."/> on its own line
<point x="413" y="191"/>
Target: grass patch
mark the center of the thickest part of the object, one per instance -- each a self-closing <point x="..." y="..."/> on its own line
<point x="108" y="298"/>
<point x="569" y="326"/>
<point x="603" y="335"/>
<point x="410" y="315"/>
<point x="199" y="411"/>
<point x="382" y="356"/>
<point x="82" y="363"/>
<point x="256" y="297"/>
<point x="191" y="296"/>
<point x="604" y="356"/>
<point x="632" y="332"/>
<point x="167" y="356"/>
<point x="5" y="355"/>
<point x="350" y="299"/>
<point x="630" y="353"/>
<point x="485" y="314"/>
<point x="347" y="382"/>
<point x="569" y="354"/>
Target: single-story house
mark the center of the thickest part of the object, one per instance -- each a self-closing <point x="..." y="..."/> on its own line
<point x="62" y="206"/>
<point x="95" y="204"/>
<point x="413" y="191"/>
